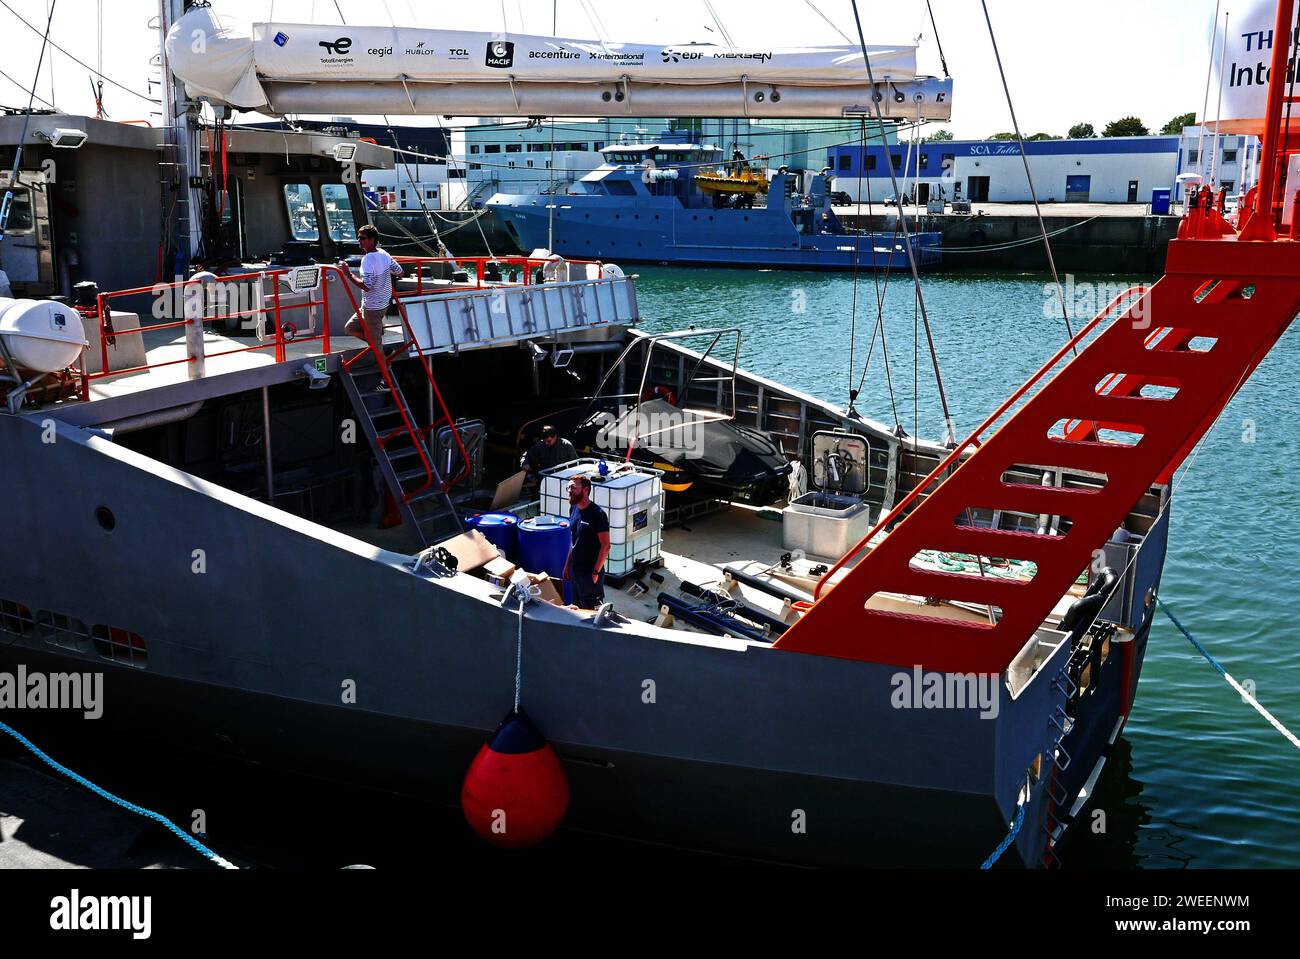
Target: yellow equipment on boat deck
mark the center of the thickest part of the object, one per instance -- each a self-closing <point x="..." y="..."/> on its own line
<point x="748" y="179"/>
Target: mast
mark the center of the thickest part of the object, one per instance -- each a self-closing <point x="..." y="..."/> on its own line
<point x="180" y="152"/>
<point x="1261" y="225"/>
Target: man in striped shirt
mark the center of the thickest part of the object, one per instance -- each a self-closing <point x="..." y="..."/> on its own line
<point x="376" y="283"/>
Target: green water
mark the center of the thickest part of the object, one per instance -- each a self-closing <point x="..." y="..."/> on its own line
<point x="1199" y="777"/>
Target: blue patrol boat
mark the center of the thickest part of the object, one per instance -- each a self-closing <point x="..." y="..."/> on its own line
<point x="683" y="203"/>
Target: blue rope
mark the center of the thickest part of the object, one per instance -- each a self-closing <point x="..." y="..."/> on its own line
<point x="105" y="794"/>
<point x="1005" y="844"/>
<point x="1192" y="639"/>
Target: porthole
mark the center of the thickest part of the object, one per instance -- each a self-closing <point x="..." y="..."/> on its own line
<point x="105" y="518"/>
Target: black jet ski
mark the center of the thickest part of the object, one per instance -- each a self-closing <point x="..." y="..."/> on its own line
<point x="700" y="454"/>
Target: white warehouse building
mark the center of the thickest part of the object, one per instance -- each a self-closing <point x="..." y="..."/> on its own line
<point x="1098" y="170"/>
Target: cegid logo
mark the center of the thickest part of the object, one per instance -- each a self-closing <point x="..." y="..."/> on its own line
<point x="380" y="52"/>
<point x="500" y="54"/>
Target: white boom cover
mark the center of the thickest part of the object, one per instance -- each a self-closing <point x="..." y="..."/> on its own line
<point x="226" y="62"/>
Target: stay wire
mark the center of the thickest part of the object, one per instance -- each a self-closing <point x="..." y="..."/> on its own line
<point x="76" y="60"/>
<point x="1033" y="193"/>
<point x="951" y="437"/>
<point x="6" y="203"/>
<point x="937" y="42"/>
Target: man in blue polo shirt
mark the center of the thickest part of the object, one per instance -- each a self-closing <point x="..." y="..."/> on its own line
<point x="589" y="546"/>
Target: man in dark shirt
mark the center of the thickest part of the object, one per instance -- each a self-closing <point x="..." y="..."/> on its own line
<point x="589" y="538"/>
<point x="551" y="450"/>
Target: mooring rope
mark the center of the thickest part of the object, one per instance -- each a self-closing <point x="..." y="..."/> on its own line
<point x="1247" y="696"/>
<point x="105" y="794"/>
<point x="1005" y="844"/>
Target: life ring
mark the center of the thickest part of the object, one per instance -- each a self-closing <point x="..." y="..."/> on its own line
<point x="666" y="393"/>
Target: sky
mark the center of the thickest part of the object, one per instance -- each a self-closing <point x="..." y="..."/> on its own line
<point x="1066" y="62"/>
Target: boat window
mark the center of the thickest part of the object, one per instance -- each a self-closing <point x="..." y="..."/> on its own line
<point x="20" y="213"/>
<point x="338" y="213"/>
<point x="302" y="211"/>
<point x="514" y="147"/>
<point x="619" y="188"/>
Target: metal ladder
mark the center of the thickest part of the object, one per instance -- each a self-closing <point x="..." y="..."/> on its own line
<point x="402" y="451"/>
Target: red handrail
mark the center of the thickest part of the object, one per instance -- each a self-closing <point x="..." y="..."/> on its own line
<point x="420" y="446"/>
<point x="276" y="310"/>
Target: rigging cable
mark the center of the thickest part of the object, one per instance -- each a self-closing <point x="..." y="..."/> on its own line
<point x="31" y="93"/>
<point x="76" y="60"/>
<point x="937" y="42"/>
<point x="726" y="35"/>
<point x="6" y="205"/>
<point x="1218" y="120"/>
<point x="951" y="437"/>
<point x="1209" y="74"/>
<point x="828" y="20"/>
<point x="1024" y="156"/>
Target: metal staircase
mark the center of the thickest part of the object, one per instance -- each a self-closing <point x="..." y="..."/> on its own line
<point x="402" y="451"/>
<point x="1196" y="336"/>
<point x="401" y="443"/>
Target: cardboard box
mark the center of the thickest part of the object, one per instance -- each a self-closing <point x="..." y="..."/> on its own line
<point x="552" y="592"/>
<point x="498" y="571"/>
<point x="472" y="551"/>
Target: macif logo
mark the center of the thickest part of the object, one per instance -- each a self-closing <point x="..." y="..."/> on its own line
<point x="500" y="54"/>
<point x="339" y="47"/>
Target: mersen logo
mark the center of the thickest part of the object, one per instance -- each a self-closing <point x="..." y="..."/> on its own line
<point x="500" y="54"/>
<point x="742" y="56"/>
<point x="339" y="47"/>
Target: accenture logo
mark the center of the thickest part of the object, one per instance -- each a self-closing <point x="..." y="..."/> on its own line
<point x="500" y="54"/>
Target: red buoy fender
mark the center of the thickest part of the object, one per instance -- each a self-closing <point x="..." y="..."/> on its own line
<point x="515" y="793"/>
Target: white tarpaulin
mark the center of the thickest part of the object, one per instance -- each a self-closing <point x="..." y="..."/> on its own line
<point x="1242" y="69"/>
<point x="367" y="66"/>
<point x="296" y="51"/>
<point x="214" y="56"/>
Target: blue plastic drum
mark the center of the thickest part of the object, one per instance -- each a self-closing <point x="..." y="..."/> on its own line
<point x="544" y="545"/>
<point x="501" y="530"/>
